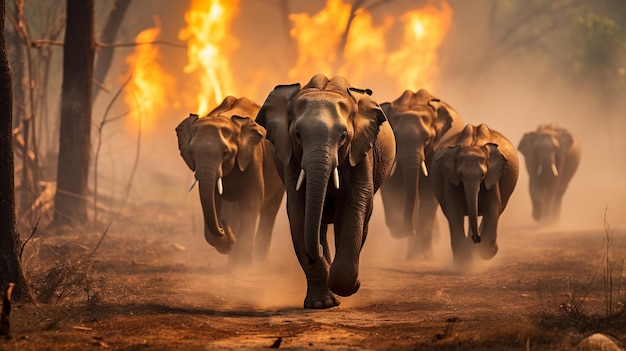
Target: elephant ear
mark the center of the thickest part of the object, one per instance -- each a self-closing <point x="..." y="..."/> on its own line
<point x="367" y="123"/>
<point x="526" y="144"/>
<point x="183" y="132"/>
<point x="274" y="117"/>
<point x="249" y="137"/>
<point x="387" y="108"/>
<point x="496" y="163"/>
<point x="565" y="141"/>
<point x="446" y="118"/>
<point x="446" y="161"/>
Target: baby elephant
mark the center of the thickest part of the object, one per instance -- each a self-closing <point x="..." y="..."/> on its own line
<point x="474" y="173"/>
<point x="232" y="161"/>
<point x="552" y="155"/>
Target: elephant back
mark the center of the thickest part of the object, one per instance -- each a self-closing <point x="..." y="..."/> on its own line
<point x="232" y="106"/>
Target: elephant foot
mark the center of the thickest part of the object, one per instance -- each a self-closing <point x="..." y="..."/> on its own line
<point x="321" y="299"/>
<point x="399" y="233"/>
<point x="418" y="249"/>
<point x="343" y="289"/>
<point x="487" y="251"/>
<point x="343" y="282"/>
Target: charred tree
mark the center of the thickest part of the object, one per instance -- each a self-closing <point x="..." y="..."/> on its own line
<point x="10" y="268"/>
<point x="75" y="132"/>
<point x="105" y="54"/>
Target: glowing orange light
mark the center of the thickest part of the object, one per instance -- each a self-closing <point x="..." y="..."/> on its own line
<point x="209" y="48"/>
<point x="414" y="65"/>
<point x="318" y="37"/>
<point x="150" y="87"/>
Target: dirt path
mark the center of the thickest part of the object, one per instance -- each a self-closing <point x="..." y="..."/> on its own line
<point x="159" y="286"/>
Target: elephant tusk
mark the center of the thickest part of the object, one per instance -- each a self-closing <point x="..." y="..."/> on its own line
<point x="554" y="170"/>
<point x="336" y="177"/>
<point x="193" y="183"/>
<point x="393" y="168"/>
<point x="220" y="186"/>
<point x="424" y="169"/>
<point x="300" y="180"/>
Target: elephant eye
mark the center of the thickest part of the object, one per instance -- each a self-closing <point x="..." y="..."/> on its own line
<point x="344" y="136"/>
<point x="296" y="132"/>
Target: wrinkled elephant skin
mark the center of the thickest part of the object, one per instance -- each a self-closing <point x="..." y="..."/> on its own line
<point x="333" y="149"/>
<point x="552" y="155"/>
<point x="420" y="121"/>
<point x="238" y="182"/>
<point x="474" y="174"/>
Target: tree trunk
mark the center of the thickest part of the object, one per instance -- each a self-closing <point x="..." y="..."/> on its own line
<point x="105" y="55"/>
<point x="10" y="268"/>
<point x="75" y="133"/>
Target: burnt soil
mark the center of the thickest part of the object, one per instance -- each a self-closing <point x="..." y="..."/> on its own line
<point x="153" y="283"/>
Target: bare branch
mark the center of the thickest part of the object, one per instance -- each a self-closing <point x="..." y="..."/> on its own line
<point x="32" y="233"/>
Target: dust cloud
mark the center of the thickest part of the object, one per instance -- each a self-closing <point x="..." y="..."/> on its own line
<point x="512" y="97"/>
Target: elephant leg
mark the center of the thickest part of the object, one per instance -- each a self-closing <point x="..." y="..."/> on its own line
<point x="350" y="236"/>
<point x="324" y="243"/>
<point x="318" y="295"/>
<point x="491" y="208"/>
<point x="392" y="198"/>
<point x="535" y="197"/>
<point x="267" y="219"/>
<point x="421" y="244"/>
<point x="452" y="208"/>
<point x="242" y="253"/>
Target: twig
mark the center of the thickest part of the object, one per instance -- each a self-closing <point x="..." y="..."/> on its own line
<point x="32" y="233"/>
<point x="106" y="230"/>
<point x="135" y="162"/>
<point x="43" y="42"/>
<point x="99" y="144"/>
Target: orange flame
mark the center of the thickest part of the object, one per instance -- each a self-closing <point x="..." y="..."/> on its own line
<point x="318" y="37"/>
<point x="366" y="56"/>
<point x="209" y="47"/>
<point x="415" y="65"/>
<point x="147" y="91"/>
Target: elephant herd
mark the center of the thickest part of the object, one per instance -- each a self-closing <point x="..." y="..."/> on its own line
<point x="330" y="147"/>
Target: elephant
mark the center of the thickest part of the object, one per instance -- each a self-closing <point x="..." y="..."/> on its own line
<point x="238" y="181"/>
<point x="333" y="149"/>
<point x="474" y="174"/>
<point x="552" y="155"/>
<point x="420" y="121"/>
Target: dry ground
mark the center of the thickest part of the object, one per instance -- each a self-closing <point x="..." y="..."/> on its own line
<point x="154" y="284"/>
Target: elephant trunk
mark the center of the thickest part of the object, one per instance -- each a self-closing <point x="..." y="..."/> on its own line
<point x="472" y="189"/>
<point x="411" y="169"/>
<point x="222" y="239"/>
<point x="317" y="177"/>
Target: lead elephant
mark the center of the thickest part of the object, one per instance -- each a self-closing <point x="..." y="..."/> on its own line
<point x="420" y="121"/>
<point x="552" y="155"/>
<point x="474" y="173"/>
<point x="238" y="182"/>
<point x="333" y="149"/>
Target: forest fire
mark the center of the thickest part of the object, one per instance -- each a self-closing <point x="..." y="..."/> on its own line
<point x="209" y="48"/>
<point x="386" y="52"/>
<point x="415" y="64"/>
<point x="149" y="84"/>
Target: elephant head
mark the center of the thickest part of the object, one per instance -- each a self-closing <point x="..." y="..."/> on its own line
<point x="325" y="127"/>
<point x="419" y="121"/>
<point x="545" y="148"/>
<point x="472" y="166"/>
<point x="214" y="146"/>
<point x="551" y="154"/>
